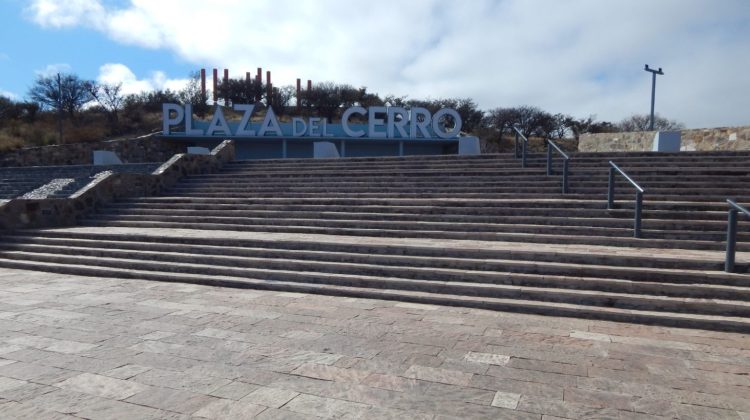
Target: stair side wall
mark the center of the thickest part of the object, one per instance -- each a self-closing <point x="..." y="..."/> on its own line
<point x="56" y="212"/>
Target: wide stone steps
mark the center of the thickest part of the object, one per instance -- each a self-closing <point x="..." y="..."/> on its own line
<point x="599" y="218"/>
<point x="552" y="225"/>
<point x="432" y="204"/>
<point x="550" y="188"/>
<point x="223" y="245"/>
<point x="460" y="180"/>
<point x="685" y="320"/>
<point x="714" y="197"/>
<point x="473" y="231"/>
<point x="613" y="237"/>
<point x="519" y="272"/>
<point x="455" y="287"/>
<point x="728" y="171"/>
<point x="374" y="212"/>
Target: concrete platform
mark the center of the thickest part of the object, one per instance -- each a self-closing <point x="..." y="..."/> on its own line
<point x="99" y="348"/>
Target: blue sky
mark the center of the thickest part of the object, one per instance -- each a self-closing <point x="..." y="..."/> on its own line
<point x="579" y="57"/>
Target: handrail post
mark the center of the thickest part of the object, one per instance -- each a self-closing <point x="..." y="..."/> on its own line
<point x="523" y="154"/>
<point x="565" y="177"/>
<point x="731" y="240"/>
<point x="638" y="211"/>
<point x="515" y="147"/>
<point x="549" y="159"/>
<point x="611" y="189"/>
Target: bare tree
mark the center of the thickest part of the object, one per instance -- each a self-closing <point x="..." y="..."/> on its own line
<point x="641" y="122"/>
<point x="109" y="96"/>
<point x="62" y="93"/>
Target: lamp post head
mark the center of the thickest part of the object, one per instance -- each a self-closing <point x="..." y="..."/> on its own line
<point x="649" y="69"/>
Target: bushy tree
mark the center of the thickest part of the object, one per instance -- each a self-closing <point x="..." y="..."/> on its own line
<point x="241" y="91"/>
<point x="9" y="110"/>
<point x="325" y="99"/>
<point x="281" y="98"/>
<point x="61" y="92"/>
<point x="193" y="95"/>
<point x="150" y="101"/>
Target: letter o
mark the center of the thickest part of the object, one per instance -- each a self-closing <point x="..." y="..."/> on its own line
<point x="436" y="123"/>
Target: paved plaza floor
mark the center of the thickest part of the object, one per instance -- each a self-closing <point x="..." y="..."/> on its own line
<point x="103" y="348"/>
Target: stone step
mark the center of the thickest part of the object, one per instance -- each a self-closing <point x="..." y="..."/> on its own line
<point x="600" y="218"/>
<point x="556" y="295"/>
<point x="553" y="189"/>
<point x="675" y="319"/>
<point x="450" y="180"/>
<point x="532" y="158"/>
<point x="600" y="196"/>
<point x="705" y="230"/>
<point x="559" y="202"/>
<point x="621" y="237"/>
<point x="666" y="282"/>
<point x="500" y="171"/>
<point x="319" y="246"/>
<point x="400" y="212"/>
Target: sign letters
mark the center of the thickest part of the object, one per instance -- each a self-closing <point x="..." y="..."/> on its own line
<point x="382" y="123"/>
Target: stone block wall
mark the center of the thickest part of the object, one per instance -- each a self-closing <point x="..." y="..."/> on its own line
<point x="53" y="212"/>
<point x="137" y="150"/>
<point x="699" y="139"/>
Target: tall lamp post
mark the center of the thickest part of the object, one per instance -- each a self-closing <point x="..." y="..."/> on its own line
<point x="653" y="92"/>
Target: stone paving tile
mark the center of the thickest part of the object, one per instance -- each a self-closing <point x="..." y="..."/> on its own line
<point x="79" y="363"/>
<point x="36" y="373"/>
<point x="65" y="401"/>
<point x="25" y="410"/>
<point x="276" y="414"/>
<point x="102" y="386"/>
<point x="229" y="410"/>
<point x="126" y="371"/>
<point x="506" y="400"/>
<point x="25" y="392"/>
<point x="180" y="401"/>
<point x="235" y="390"/>
<point x="330" y="373"/>
<point x="210" y="352"/>
<point x="180" y="380"/>
<point x="445" y="376"/>
<point x="270" y="397"/>
<point x="118" y="410"/>
<point x="487" y="358"/>
<point x="326" y="407"/>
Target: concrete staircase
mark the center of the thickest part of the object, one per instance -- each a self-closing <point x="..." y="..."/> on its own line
<point x="470" y="231"/>
<point x="17" y="181"/>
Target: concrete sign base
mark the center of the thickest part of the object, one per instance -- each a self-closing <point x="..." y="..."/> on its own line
<point x="667" y="141"/>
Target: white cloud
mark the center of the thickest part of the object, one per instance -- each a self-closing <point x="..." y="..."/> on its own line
<point x="52" y="69"/>
<point x="4" y="57"/>
<point x="114" y="73"/>
<point x="10" y="95"/>
<point x="66" y="13"/>
<point x="579" y="57"/>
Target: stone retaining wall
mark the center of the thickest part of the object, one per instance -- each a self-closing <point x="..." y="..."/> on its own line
<point x="699" y="139"/>
<point x="137" y="150"/>
<point x="55" y="212"/>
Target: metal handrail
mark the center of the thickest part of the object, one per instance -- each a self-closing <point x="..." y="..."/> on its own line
<point x="524" y="146"/>
<point x="734" y="209"/>
<point x="638" y="196"/>
<point x="550" y="145"/>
